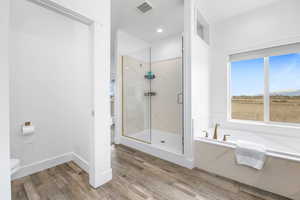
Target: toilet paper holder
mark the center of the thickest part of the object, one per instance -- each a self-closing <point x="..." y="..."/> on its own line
<point x="28" y="129"/>
<point x="27" y="123"/>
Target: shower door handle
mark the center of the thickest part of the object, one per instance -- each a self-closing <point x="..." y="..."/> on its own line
<point x="180" y="98"/>
<point x="149" y="94"/>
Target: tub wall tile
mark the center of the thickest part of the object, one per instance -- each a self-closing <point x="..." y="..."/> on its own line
<point x="278" y="175"/>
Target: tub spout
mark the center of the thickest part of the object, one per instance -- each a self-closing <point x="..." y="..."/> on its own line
<point x="216" y="132"/>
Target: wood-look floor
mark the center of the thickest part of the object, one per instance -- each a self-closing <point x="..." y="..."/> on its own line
<point x="136" y="176"/>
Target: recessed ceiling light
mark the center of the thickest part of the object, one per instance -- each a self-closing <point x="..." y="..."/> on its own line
<point x="159" y="30"/>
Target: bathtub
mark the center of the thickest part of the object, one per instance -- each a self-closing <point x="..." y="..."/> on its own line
<point x="280" y="175"/>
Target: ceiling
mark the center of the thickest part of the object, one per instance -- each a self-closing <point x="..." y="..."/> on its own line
<point x="216" y="10"/>
<point x="169" y="15"/>
<point x="166" y="14"/>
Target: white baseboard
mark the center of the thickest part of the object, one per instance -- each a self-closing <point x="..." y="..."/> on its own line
<point x="49" y="163"/>
<point x="83" y="164"/>
<point x="42" y="165"/>
<point x="162" y="154"/>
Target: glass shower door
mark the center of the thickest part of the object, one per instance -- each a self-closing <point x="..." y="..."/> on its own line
<point x="167" y="104"/>
<point x="136" y="96"/>
<point x="153" y="98"/>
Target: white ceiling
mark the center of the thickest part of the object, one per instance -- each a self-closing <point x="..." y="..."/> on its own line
<point x="218" y="10"/>
<point x="166" y="14"/>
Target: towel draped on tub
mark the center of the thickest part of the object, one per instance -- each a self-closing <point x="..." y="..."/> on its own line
<point x="250" y="154"/>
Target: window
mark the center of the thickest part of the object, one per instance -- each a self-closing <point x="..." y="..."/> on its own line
<point x="247" y="78"/>
<point x="285" y="88"/>
<point x="265" y="85"/>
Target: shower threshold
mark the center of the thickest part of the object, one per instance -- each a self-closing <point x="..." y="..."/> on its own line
<point x="167" y="141"/>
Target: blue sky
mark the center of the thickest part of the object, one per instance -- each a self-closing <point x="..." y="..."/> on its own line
<point x="247" y="77"/>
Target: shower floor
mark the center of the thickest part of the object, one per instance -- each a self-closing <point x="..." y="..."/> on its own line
<point x="167" y="141"/>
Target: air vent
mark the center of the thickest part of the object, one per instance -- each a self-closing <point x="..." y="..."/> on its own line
<point x="145" y="7"/>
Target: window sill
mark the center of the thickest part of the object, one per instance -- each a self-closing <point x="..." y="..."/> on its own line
<point x="279" y="129"/>
<point x="266" y="124"/>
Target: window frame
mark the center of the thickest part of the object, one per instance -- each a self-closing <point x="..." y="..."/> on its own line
<point x="266" y="120"/>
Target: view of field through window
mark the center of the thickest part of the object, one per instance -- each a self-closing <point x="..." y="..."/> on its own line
<point x="247" y="89"/>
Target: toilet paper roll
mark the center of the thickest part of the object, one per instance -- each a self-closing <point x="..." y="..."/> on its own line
<point x="27" y="130"/>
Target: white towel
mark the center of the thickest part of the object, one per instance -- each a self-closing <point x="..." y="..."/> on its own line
<point x="250" y="154"/>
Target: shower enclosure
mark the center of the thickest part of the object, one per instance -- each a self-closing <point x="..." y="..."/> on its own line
<point x="152" y="99"/>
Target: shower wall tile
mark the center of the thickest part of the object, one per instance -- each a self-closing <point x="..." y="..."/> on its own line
<point x="135" y="104"/>
<point x="166" y="111"/>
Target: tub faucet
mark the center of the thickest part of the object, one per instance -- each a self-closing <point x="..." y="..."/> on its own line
<point x="216" y="132"/>
<point x="206" y="133"/>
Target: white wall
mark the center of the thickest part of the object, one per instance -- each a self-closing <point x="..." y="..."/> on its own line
<point x="267" y="26"/>
<point x="164" y="49"/>
<point x="200" y="84"/>
<point x="196" y="74"/>
<point x="4" y="102"/>
<point x="99" y="13"/>
<point x="132" y="46"/>
<point x="167" y="48"/>
<point x="51" y="84"/>
<point x="128" y="44"/>
<point x="93" y="9"/>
